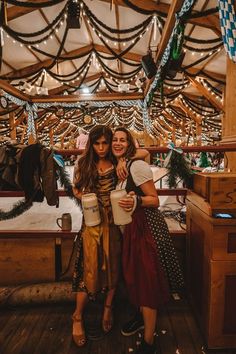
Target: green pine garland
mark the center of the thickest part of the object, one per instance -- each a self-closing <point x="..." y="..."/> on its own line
<point x="66" y="183"/>
<point x="179" y="170"/>
<point x="18" y="208"/>
<point x="23" y="205"/>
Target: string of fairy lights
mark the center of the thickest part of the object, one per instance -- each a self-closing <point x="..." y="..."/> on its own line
<point x="132" y="119"/>
<point x="101" y="30"/>
<point x="110" y="79"/>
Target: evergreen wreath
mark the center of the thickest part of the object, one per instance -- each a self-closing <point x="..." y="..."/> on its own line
<point x="178" y="169"/>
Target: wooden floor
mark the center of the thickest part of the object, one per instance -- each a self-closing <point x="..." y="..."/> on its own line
<point x="47" y="330"/>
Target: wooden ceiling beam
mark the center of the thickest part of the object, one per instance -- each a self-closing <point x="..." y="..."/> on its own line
<point x="14" y="12"/>
<point x="7" y="64"/>
<point x="13" y="91"/>
<point x="30" y="70"/>
<point x="168" y="28"/>
<point x="91" y="97"/>
<point x="20" y="120"/>
<point x="62" y="88"/>
<point x="210" y="21"/>
<point x="216" y="103"/>
<point x="169" y="117"/>
<point x="149" y="5"/>
<point x="47" y="121"/>
<point x="213" y="57"/>
<point x="187" y="111"/>
<point x="160" y="128"/>
<point x="163" y="123"/>
<point x="196" y="71"/>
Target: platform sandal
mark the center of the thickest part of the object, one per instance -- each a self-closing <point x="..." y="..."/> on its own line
<point x="79" y="339"/>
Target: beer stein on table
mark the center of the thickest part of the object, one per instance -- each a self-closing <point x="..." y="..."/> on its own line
<point x="65" y="222"/>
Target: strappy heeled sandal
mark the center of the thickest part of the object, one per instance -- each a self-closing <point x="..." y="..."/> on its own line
<point x="107" y="324"/>
<point x="79" y="339"/>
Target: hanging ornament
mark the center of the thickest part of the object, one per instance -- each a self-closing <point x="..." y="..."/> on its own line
<point x="155" y="28"/>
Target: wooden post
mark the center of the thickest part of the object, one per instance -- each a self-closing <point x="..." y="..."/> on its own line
<point x="183" y="128"/>
<point x="147" y="139"/>
<point x="62" y="141"/>
<point x="189" y="132"/>
<point x="228" y="121"/>
<point x="51" y="136"/>
<point x="173" y="136"/>
<point x="12" y="126"/>
<point x="23" y="134"/>
<point x="31" y="139"/>
<point x="198" y="134"/>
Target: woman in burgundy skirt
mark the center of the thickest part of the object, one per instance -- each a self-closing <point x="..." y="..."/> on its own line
<point x="150" y="265"/>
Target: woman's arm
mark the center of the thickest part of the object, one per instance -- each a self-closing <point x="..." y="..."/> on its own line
<point x="149" y="200"/>
<point x="77" y="193"/>
<point x="121" y="168"/>
<point x="141" y="154"/>
<point x="143" y="178"/>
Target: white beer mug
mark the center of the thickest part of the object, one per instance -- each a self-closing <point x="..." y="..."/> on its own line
<point x="120" y="216"/>
<point x="90" y="209"/>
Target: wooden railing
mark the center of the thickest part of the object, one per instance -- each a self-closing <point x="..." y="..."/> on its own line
<point x="164" y="149"/>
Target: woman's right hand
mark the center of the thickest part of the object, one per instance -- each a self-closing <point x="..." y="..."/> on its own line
<point x="128" y="202"/>
<point x="77" y="193"/>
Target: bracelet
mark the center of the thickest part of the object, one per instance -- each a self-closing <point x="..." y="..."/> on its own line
<point x="139" y="200"/>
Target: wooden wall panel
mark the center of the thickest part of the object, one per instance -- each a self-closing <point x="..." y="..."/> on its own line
<point x="26" y="261"/>
<point x="212" y="275"/>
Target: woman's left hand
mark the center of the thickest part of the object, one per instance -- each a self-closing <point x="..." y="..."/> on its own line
<point x="121" y="169"/>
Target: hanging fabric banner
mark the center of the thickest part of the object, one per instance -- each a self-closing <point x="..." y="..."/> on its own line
<point x="228" y="27"/>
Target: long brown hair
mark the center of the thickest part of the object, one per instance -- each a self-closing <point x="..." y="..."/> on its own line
<point x="131" y="150"/>
<point x="86" y="174"/>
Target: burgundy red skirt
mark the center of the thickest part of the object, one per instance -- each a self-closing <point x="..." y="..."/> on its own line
<point x="145" y="278"/>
